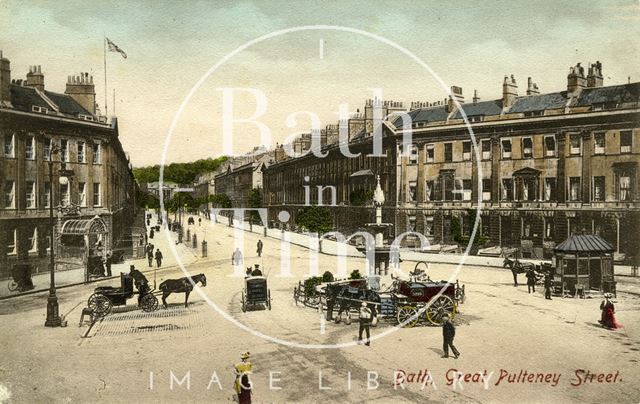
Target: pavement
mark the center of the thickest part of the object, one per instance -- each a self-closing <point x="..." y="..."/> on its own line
<point x="72" y="277"/>
<point x="186" y="354"/>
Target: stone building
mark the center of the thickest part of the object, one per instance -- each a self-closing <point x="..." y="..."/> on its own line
<point x="33" y="122"/>
<point x="540" y="167"/>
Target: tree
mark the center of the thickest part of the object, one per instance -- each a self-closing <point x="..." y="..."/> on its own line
<point x="255" y="202"/>
<point x="360" y="197"/>
<point x="315" y="219"/>
<point x="181" y="173"/>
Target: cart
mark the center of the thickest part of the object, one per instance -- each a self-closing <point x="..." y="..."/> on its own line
<point x="105" y="297"/>
<point x="255" y="292"/>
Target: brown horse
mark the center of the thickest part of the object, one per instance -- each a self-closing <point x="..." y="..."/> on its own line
<point x="182" y="285"/>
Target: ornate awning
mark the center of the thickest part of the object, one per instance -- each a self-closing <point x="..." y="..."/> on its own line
<point x="84" y="227"/>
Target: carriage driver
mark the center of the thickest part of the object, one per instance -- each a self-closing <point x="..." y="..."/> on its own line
<point x="142" y="284"/>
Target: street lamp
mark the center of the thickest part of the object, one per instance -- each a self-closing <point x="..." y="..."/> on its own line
<point x="53" y="317"/>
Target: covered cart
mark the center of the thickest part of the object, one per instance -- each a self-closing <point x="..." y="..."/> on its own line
<point x="583" y="263"/>
<point x="255" y="292"/>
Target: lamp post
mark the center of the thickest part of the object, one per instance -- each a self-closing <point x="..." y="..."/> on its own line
<point x="53" y="317"/>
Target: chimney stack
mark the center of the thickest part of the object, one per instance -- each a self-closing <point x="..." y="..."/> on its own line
<point x="475" y="97"/>
<point x="5" y="80"/>
<point x="594" y="78"/>
<point x="35" y="78"/>
<point x="83" y="91"/>
<point x="509" y="91"/>
<point x="532" y="88"/>
<point x="456" y="93"/>
<point x="575" y="81"/>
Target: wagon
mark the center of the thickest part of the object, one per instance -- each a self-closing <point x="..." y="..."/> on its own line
<point x="105" y="297"/>
<point x="255" y="292"/>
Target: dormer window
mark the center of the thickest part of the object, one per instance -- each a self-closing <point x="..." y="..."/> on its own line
<point x="529" y="114"/>
<point x="85" y="117"/>
<point x="41" y="110"/>
<point x="475" y="118"/>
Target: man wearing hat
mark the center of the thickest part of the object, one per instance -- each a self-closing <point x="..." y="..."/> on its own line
<point x="256" y="271"/>
<point x="448" y="333"/>
<point x="365" y="322"/>
<point x="243" y="385"/>
<point x="142" y="284"/>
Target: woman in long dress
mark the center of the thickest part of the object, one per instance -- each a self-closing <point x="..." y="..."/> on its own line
<point x="242" y="384"/>
<point x="608" y="317"/>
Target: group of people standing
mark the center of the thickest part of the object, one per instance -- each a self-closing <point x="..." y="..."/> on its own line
<point x="150" y="255"/>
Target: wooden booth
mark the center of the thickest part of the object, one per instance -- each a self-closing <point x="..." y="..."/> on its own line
<point x="584" y="263"/>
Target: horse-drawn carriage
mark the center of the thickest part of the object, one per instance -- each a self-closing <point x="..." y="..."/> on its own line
<point x="519" y="267"/>
<point x="105" y="297"/>
<point x="403" y="301"/>
<point x="255" y="292"/>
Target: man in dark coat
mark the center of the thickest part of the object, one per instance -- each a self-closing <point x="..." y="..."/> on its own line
<point x="150" y="257"/>
<point x="547" y="286"/>
<point x="256" y="271"/>
<point x="514" y="272"/>
<point x="141" y="282"/>
<point x="531" y="280"/>
<point x="158" y="258"/>
<point x="448" y="333"/>
<point x="259" y="248"/>
<point x="107" y="263"/>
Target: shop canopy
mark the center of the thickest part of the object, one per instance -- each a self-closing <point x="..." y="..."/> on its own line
<point x="84" y="227"/>
<point x="584" y="243"/>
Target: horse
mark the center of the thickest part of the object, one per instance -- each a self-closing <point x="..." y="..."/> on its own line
<point x="182" y="285"/>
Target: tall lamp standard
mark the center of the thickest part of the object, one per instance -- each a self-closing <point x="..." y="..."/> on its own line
<point x="53" y="317"/>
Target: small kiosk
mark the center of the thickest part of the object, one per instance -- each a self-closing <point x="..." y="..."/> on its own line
<point x="584" y="263"/>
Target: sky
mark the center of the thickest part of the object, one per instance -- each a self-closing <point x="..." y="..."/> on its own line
<point x="172" y="45"/>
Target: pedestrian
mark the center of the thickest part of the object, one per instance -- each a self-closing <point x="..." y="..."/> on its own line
<point x="158" y="258"/>
<point x="531" y="280"/>
<point x="150" y="258"/>
<point x="547" y="285"/>
<point x="608" y="310"/>
<point x="448" y="334"/>
<point x="242" y="384"/>
<point x="151" y="233"/>
<point x="148" y="222"/>
<point x="236" y="257"/>
<point x="141" y="282"/>
<point x="514" y="272"/>
<point x="259" y="248"/>
<point x="365" y="323"/>
<point x="199" y="221"/>
<point x="108" y="260"/>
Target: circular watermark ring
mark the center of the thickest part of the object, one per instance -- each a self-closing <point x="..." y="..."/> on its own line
<point x="290" y="30"/>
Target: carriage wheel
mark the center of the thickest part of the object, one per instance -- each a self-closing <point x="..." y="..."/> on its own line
<point x="100" y="305"/>
<point x="269" y="299"/>
<point x="149" y="303"/>
<point x="438" y="307"/>
<point x="13" y="285"/>
<point x="312" y="301"/>
<point x="407" y="316"/>
<point x="244" y="303"/>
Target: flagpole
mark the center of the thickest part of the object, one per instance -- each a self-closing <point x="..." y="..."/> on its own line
<point x="106" y="110"/>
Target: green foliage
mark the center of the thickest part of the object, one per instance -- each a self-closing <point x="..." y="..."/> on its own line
<point x="327" y="276"/>
<point x="255" y="201"/>
<point x="315" y="219"/>
<point x="181" y="173"/>
<point x="360" y="197"/>
<point x="456" y="229"/>
<point x="148" y="200"/>
<point x="220" y="201"/>
<point x="355" y="275"/>
<point x="310" y="285"/>
<point x="181" y="199"/>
